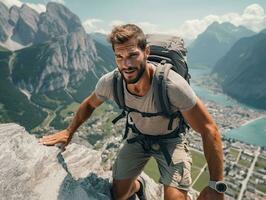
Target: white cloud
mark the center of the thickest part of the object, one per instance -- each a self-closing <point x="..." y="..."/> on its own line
<point x="93" y="25"/>
<point x="253" y="17"/>
<point x="37" y="7"/>
<point x="59" y="1"/>
<point x="10" y="3"/>
<point x="116" y="22"/>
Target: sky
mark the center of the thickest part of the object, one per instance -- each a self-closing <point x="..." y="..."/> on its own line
<point x="186" y="18"/>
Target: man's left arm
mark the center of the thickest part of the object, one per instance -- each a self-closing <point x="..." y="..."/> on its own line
<point x="201" y="121"/>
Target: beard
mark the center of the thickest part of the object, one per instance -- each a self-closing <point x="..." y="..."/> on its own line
<point x="139" y="74"/>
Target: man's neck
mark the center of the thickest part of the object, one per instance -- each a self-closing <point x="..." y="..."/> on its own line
<point x="143" y="85"/>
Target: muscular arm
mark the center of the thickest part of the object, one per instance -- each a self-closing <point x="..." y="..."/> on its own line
<point x="201" y="121"/>
<point x="85" y="110"/>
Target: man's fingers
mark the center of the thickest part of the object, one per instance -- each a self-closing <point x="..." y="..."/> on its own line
<point x="49" y="136"/>
<point x="49" y="141"/>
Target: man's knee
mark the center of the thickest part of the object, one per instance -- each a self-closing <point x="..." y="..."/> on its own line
<point x="122" y="189"/>
<point x="172" y="193"/>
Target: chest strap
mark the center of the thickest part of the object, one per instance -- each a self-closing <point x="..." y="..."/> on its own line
<point x="147" y="141"/>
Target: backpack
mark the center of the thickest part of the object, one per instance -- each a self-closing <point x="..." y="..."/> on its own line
<point x="166" y="52"/>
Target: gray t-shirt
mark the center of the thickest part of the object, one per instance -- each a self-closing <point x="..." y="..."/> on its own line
<point x="180" y="94"/>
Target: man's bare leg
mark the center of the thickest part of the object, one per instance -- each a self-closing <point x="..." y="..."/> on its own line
<point x="123" y="189"/>
<point x="171" y="193"/>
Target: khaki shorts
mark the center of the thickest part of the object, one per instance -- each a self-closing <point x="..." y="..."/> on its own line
<point x="131" y="160"/>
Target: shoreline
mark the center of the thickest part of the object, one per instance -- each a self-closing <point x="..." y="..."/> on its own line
<point x="252" y="120"/>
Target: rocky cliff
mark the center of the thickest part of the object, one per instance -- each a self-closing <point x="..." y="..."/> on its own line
<point x="29" y="170"/>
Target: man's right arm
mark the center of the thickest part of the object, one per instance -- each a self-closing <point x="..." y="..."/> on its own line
<point x="85" y="110"/>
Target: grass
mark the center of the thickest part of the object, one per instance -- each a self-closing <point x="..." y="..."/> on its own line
<point x="194" y="172"/>
<point x="261" y="188"/>
<point x="234" y="153"/>
<point x="245" y="163"/>
<point x="260" y="164"/>
<point x="151" y="169"/>
<point x="202" y="181"/>
<point x="69" y="109"/>
<point x="198" y="159"/>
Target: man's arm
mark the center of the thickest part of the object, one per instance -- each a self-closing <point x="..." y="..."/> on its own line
<point x="84" y="111"/>
<point x="201" y="121"/>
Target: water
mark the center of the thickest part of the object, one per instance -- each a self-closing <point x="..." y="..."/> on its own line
<point x="251" y="133"/>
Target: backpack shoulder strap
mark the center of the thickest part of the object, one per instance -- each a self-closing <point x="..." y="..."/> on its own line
<point x="118" y="90"/>
<point x="160" y="89"/>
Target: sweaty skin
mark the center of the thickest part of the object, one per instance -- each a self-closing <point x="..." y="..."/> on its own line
<point x="137" y="73"/>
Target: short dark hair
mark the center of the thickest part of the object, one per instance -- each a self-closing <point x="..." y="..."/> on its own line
<point x="122" y="33"/>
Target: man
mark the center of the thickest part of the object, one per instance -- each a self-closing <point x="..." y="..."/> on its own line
<point x="131" y="52"/>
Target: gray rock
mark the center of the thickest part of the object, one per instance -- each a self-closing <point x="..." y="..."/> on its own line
<point x="4" y="25"/>
<point x="29" y="170"/>
<point x="56" y="21"/>
<point x="26" y="25"/>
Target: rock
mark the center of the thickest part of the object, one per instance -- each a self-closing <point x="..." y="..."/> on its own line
<point x="29" y="170"/>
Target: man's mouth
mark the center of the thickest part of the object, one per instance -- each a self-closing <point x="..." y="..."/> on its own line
<point x="129" y="71"/>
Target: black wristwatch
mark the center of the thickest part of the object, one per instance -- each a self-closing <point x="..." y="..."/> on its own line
<point x="219" y="186"/>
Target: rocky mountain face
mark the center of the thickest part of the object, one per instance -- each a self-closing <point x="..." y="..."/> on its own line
<point x="242" y="70"/>
<point x="5" y="27"/>
<point x="214" y="42"/>
<point x="59" y="63"/>
<point x="29" y="170"/>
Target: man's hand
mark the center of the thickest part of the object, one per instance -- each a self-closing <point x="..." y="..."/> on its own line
<point x="210" y="194"/>
<point x="62" y="137"/>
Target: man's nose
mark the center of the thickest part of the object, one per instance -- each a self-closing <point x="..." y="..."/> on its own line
<point x="127" y="62"/>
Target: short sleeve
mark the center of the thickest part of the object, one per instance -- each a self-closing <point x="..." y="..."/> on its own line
<point x="180" y="93"/>
<point x="104" y="87"/>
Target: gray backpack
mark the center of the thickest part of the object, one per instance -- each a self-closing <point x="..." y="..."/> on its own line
<point x="167" y="52"/>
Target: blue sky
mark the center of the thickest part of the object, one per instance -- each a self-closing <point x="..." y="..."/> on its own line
<point x="186" y="17"/>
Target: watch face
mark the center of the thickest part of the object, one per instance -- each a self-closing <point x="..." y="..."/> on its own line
<point x="221" y="187"/>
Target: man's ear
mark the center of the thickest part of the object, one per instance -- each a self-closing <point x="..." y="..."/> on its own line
<point x="147" y="51"/>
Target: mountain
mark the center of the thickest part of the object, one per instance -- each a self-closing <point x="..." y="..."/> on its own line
<point x="59" y="64"/>
<point x="31" y="171"/>
<point x="214" y="42"/>
<point x="24" y="26"/>
<point x="100" y="38"/>
<point x="242" y="70"/>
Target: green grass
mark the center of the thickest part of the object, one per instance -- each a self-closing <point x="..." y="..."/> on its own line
<point x="151" y="169"/>
<point x="194" y="172"/>
<point x="245" y="163"/>
<point x="198" y="159"/>
<point x="261" y="188"/>
<point x="202" y="181"/>
<point x="69" y="109"/>
<point x="234" y="153"/>
<point x="260" y="164"/>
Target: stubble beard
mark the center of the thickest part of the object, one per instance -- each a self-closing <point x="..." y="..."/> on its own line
<point x="140" y="73"/>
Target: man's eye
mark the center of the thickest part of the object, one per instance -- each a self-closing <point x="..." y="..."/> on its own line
<point x="133" y="55"/>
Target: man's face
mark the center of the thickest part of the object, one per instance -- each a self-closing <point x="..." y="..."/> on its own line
<point x="130" y="60"/>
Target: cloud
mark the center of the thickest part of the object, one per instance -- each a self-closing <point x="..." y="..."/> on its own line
<point x="253" y="17"/>
<point x="37" y="7"/>
<point x="10" y="3"/>
<point x="116" y="22"/>
<point x="59" y="1"/>
<point x="93" y="25"/>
